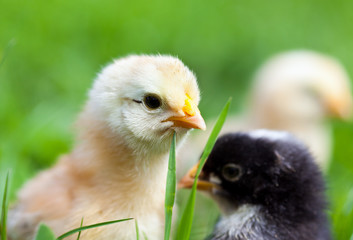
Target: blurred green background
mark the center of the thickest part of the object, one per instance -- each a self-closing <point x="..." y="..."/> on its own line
<point x="50" y="52"/>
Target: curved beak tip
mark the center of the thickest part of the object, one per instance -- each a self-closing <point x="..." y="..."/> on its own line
<point x="341" y="113"/>
<point x="188" y="180"/>
<point x="340" y="107"/>
<point x="189" y="122"/>
<point x="202" y="125"/>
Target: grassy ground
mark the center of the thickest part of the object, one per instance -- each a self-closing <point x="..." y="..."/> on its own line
<point x="51" y="51"/>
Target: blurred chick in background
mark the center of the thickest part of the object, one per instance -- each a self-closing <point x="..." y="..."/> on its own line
<point x="294" y="91"/>
<point x="267" y="186"/>
<point x="119" y="164"/>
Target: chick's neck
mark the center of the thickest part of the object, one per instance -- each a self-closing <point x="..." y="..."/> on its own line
<point x="107" y="160"/>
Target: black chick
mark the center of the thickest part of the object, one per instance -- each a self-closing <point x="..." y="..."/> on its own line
<point x="267" y="186"/>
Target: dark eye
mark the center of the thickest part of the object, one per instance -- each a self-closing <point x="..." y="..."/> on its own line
<point x="232" y="172"/>
<point x="152" y="101"/>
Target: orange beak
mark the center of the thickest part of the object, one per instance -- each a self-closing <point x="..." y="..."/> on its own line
<point x="189" y="121"/>
<point x="188" y="180"/>
<point x="340" y="107"/>
<point x="192" y="117"/>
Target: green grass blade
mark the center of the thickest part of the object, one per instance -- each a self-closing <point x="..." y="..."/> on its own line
<point x="73" y="231"/>
<point x="137" y="230"/>
<point x="79" y="233"/>
<point x="185" y="224"/>
<point x="145" y="236"/>
<point x="213" y="136"/>
<point x="170" y="190"/>
<point x="44" y="233"/>
<point x="4" y="209"/>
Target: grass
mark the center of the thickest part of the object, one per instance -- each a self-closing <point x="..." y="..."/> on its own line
<point x="44" y="233"/>
<point x="170" y="189"/>
<point x="4" y="207"/>
<point x="137" y="230"/>
<point x="79" y="233"/>
<point x="76" y="230"/>
<point x="184" y="229"/>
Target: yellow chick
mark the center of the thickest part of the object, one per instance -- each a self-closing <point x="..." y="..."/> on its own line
<point x="294" y="91"/>
<point x="118" y="166"/>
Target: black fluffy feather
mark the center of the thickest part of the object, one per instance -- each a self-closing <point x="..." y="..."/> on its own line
<point x="278" y="178"/>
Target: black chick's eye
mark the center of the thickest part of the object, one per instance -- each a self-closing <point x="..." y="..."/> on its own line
<point x="231" y="172"/>
<point x="152" y="101"/>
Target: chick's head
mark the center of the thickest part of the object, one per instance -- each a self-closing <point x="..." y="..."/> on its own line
<point x="260" y="167"/>
<point x="144" y="99"/>
<point x="302" y="86"/>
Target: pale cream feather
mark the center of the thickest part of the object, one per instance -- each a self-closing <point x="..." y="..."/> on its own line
<point x="118" y="166"/>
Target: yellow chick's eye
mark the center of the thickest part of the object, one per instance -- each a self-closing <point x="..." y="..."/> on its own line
<point x="189" y="107"/>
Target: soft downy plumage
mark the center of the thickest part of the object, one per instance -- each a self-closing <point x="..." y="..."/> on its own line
<point x="267" y="187"/>
<point x="117" y="168"/>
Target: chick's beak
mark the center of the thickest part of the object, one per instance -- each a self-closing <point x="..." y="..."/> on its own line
<point x="192" y="117"/>
<point x="340" y="107"/>
<point x="188" y="180"/>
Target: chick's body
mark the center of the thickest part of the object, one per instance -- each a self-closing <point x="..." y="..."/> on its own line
<point x="267" y="187"/>
<point x="118" y="166"/>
